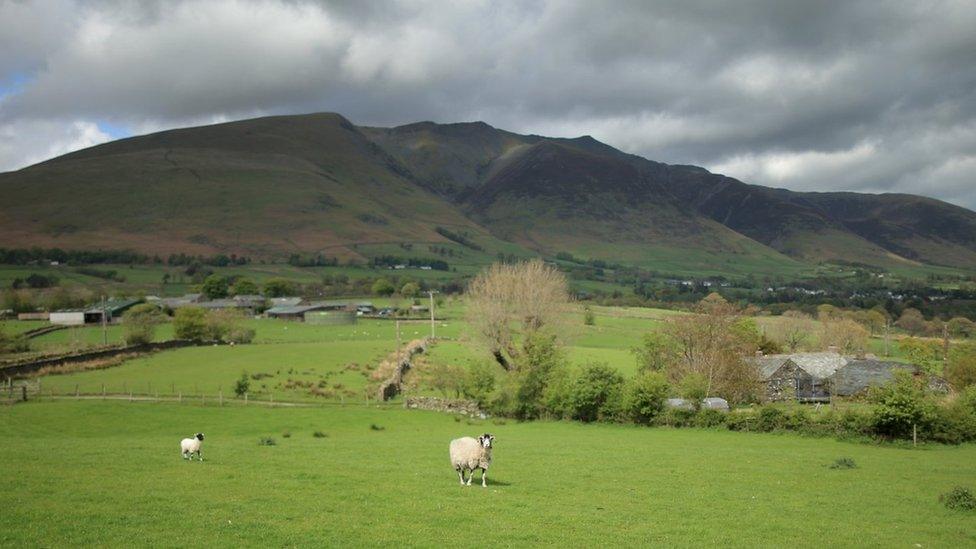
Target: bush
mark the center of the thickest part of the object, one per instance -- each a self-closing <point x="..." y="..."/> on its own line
<point x="959" y="498"/>
<point x="843" y="463"/>
<point x="589" y="317"/>
<point x="240" y="335"/>
<point x="960" y="371"/>
<point x="215" y="287"/>
<point x="139" y="324"/>
<point x="190" y="323"/>
<point x="13" y="343"/>
<point x="478" y="383"/>
<point x="694" y="388"/>
<point x="267" y="441"/>
<point x="541" y="360"/>
<point x="242" y="385"/>
<point x="902" y="405"/>
<point x="319" y="434"/>
<point x="644" y="396"/>
<point x="797" y="419"/>
<point x="375" y="427"/>
<point x="709" y="418"/>
<point x="676" y="417"/>
<point x="596" y="393"/>
<point x="383" y="287"/>
<point x="741" y="420"/>
<point x="954" y="423"/>
<point x="770" y="419"/>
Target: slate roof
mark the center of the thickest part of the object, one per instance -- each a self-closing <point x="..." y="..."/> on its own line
<point x="858" y="375"/>
<point x="293" y="309"/>
<point x="818" y="365"/>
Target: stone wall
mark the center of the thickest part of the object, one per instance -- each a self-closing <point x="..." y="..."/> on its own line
<point x="392" y="369"/>
<point x="26" y="367"/>
<point x="452" y="406"/>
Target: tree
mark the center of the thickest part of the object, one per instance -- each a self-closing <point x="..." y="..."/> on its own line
<point x="507" y="303"/>
<point x="962" y="327"/>
<point x="139" y="323"/>
<point x="479" y="381"/>
<point x="242" y="385"/>
<point x="542" y="358"/>
<point x="960" y="370"/>
<point x="712" y="343"/>
<point x="215" y="287"/>
<point x="693" y="388"/>
<point x="655" y="353"/>
<point x="190" y="323"/>
<point x="902" y="406"/>
<point x="644" y="396"/>
<point x="912" y="321"/>
<point x="922" y="352"/>
<point x="596" y="393"/>
<point x="383" y="287"/>
<point x="848" y="336"/>
<point x="245" y="286"/>
<point x="792" y="330"/>
<point x="410" y="289"/>
<point x="278" y="287"/>
<point x="589" y="317"/>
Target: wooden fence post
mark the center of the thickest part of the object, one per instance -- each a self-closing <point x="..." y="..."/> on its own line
<point x="203" y="399"/>
<point x="23" y="392"/>
<point x="221" y="397"/>
<point x="180" y="398"/>
<point x="76" y="390"/>
<point x="103" y="391"/>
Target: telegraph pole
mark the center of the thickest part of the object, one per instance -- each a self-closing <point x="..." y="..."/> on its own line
<point x="431" y="294"/>
<point x="104" y="323"/>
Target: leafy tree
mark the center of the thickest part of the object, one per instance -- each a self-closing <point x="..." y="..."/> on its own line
<point x="922" y="352"/>
<point x="693" y="388"/>
<point x="902" y="406"/>
<point x="215" y="287"/>
<point x="191" y="323"/>
<point x="139" y="323"/>
<point x="793" y="329"/>
<point x="962" y="327"/>
<point x="596" y="393"/>
<point x="845" y="334"/>
<point x="589" y="317"/>
<point x="655" y="353"/>
<point x="540" y="359"/>
<point x="644" y="396"/>
<point x="410" y="289"/>
<point x="911" y="320"/>
<point x="278" y="287"/>
<point x="383" y="287"/>
<point x="479" y="382"/>
<point x="960" y="370"/>
<point x="245" y="286"/>
<point x="242" y="385"/>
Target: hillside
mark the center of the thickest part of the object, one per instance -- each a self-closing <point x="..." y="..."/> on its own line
<point x="274" y="186"/>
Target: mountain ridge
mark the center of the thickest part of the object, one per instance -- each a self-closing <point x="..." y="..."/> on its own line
<point x="286" y="184"/>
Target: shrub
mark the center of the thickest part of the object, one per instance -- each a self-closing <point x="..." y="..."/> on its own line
<point x="139" y="323"/>
<point x="478" y="382"/>
<point x="797" y="419"/>
<point x="541" y="359"/>
<point x="319" y="434"/>
<point x="240" y="335"/>
<point x="375" y="427"/>
<point x="741" y="420"/>
<point x="676" y="417"/>
<point x="596" y="393"/>
<point x="286" y="434"/>
<point x="954" y="423"/>
<point x="267" y="441"/>
<point x="589" y="317"/>
<point x="242" y="385"/>
<point x="902" y="405"/>
<point x="13" y="343"/>
<point x="644" y="396"/>
<point x="215" y="287"/>
<point x="709" y="418"/>
<point x="960" y="371"/>
<point x="693" y="387"/>
<point x="770" y="419"/>
<point x="959" y="498"/>
<point x="190" y="323"/>
<point x="853" y="422"/>
<point x="656" y="352"/>
<point x="843" y="463"/>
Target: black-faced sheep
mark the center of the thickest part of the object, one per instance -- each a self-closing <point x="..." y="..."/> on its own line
<point x="468" y="454"/>
<point x="189" y="446"/>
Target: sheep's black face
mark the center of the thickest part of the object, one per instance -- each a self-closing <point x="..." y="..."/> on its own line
<point x="199" y="436"/>
<point x="486" y="440"/>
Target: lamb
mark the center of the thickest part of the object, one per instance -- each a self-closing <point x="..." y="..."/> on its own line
<point x="468" y="454"/>
<point x="189" y="446"/>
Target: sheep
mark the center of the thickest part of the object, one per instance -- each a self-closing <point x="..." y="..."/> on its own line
<point x="189" y="446"/>
<point x="470" y="454"/>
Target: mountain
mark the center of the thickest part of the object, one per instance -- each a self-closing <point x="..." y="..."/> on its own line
<point x="274" y="186"/>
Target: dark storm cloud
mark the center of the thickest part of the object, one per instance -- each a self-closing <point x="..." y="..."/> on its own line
<point x="870" y="96"/>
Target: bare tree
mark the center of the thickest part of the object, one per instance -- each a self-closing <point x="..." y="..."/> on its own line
<point x="712" y="344"/>
<point x="792" y="329"/>
<point x="509" y="302"/>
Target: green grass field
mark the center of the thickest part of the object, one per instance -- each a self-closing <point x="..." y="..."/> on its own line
<point x="109" y="474"/>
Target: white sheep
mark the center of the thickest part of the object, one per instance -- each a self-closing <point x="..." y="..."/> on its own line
<point x="468" y="454"/>
<point x="189" y="446"/>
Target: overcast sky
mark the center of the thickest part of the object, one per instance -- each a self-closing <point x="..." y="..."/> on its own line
<point x="812" y="95"/>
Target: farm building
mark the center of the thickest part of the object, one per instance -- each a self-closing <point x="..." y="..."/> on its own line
<point x="819" y="376"/>
<point x="860" y="375"/>
<point x="800" y="376"/>
<point x="34" y="316"/>
<point x="285" y="301"/>
<point x="187" y="300"/>
<point x="294" y="312"/>
<point x="111" y="310"/>
<point x="330" y="318"/>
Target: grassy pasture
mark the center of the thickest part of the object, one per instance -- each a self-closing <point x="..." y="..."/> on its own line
<point x="107" y="474"/>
